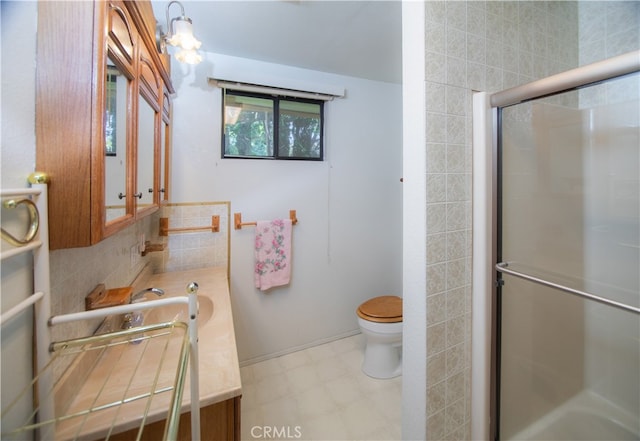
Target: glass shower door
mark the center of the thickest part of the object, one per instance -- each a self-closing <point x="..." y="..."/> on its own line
<point x="569" y="220"/>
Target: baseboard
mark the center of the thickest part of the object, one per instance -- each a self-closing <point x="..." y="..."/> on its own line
<point x="298" y="348"/>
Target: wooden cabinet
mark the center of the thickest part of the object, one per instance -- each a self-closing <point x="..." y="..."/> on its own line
<point x="219" y="422"/>
<point x="102" y="117"/>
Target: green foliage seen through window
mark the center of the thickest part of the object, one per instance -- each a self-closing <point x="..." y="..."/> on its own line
<point x="264" y="126"/>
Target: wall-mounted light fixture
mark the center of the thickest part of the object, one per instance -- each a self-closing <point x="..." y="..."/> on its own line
<point x="180" y="34"/>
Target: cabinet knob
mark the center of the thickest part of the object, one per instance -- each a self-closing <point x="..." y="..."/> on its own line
<point x="151" y="190"/>
<point x="162" y="190"/>
<point x="138" y="195"/>
<point x="120" y="195"/>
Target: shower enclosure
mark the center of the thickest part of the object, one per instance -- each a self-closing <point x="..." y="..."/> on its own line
<point x="557" y="257"/>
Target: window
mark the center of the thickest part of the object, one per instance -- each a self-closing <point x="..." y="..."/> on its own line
<point x="273" y="127"/>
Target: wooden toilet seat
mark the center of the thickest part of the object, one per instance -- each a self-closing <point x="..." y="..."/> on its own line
<point x="383" y="309"/>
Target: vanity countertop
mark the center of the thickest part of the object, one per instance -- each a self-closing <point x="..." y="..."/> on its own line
<point x="219" y="366"/>
<point x="219" y="370"/>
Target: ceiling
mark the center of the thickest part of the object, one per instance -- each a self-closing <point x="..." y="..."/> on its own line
<point x="354" y="38"/>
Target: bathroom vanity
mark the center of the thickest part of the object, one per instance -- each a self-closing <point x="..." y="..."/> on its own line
<point x="220" y="385"/>
<point x="219" y="371"/>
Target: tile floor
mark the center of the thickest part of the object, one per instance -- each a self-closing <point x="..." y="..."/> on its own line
<point x="319" y="393"/>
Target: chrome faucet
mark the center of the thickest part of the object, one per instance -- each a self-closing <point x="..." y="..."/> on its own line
<point x="135" y="298"/>
<point x="136" y="318"/>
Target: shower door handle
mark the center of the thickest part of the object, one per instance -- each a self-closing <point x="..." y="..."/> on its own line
<point x="503" y="268"/>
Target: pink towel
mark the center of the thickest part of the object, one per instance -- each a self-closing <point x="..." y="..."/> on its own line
<point x="273" y="253"/>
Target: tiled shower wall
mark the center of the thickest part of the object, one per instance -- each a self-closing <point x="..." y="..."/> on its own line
<point x="608" y="29"/>
<point x="471" y="46"/>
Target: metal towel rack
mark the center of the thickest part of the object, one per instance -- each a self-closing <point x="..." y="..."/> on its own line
<point x="43" y="420"/>
<point x="34" y="222"/>
<point x="238" y="224"/>
<point x="40" y="299"/>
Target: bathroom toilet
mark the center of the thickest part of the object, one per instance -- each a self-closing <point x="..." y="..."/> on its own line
<point x="380" y="320"/>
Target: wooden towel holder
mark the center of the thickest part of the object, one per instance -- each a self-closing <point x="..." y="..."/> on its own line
<point x="165" y="230"/>
<point x="238" y="224"/>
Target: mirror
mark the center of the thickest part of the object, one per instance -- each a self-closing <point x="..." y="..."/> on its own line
<point x="146" y="145"/>
<point x="164" y="139"/>
<point x="115" y="134"/>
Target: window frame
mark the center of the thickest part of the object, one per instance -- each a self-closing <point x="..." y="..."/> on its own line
<point x="275" y="99"/>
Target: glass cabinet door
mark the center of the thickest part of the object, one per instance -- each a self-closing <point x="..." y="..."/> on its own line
<point x="147" y="117"/>
<point x="117" y="90"/>
<point x="165" y="147"/>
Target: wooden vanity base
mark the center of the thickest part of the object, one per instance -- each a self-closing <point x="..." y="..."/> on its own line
<point x="219" y="421"/>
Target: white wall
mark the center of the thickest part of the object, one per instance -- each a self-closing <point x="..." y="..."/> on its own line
<point x="348" y="242"/>
<point x="18" y="160"/>
<point x="414" y="338"/>
<point x="18" y="92"/>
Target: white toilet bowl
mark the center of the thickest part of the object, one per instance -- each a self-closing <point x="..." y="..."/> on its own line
<point x="380" y="320"/>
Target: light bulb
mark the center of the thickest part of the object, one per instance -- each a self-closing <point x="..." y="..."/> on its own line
<point x="190" y="56"/>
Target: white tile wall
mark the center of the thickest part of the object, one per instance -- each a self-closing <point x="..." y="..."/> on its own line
<point x="473" y="45"/>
